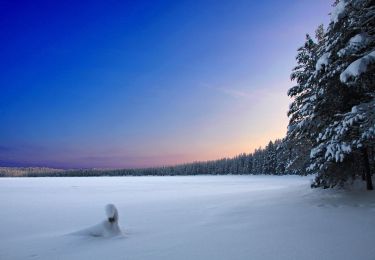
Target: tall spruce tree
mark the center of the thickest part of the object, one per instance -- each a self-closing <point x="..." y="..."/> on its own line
<point x="302" y="125"/>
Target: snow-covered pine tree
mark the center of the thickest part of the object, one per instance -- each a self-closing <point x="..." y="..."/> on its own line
<point x="345" y="90"/>
<point x="269" y="163"/>
<point x="302" y="123"/>
<point x="293" y="156"/>
<point x="280" y="156"/>
<point x="300" y="110"/>
<point x="258" y="158"/>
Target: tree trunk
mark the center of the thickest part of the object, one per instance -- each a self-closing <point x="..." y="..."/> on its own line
<point x="367" y="169"/>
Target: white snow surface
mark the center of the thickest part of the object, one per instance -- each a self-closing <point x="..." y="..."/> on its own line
<point x="195" y="217"/>
<point x="357" y="67"/>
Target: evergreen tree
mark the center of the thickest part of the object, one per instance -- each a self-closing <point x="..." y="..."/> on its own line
<point x="302" y="122"/>
<point x="269" y="163"/>
<point x="343" y="110"/>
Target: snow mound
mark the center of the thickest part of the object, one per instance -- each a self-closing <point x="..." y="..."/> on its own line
<point x="107" y="228"/>
<point x="111" y="212"/>
<point x="357" y="67"/>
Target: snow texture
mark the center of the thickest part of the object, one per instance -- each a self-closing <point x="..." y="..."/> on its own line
<point x="195" y="217"/>
<point x="336" y="151"/>
<point x="339" y="11"/>
<point x="355" y="44"/>
<point x="357" y="67"/>
<point x="323" y="60"/>
<point x="107" y="228"/>
<point x="112" y="213"/>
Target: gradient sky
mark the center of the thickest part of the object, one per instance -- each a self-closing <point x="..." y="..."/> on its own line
<point x="143" y="83"/>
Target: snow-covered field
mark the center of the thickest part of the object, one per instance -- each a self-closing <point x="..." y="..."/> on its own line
<point x="205" y="217"/>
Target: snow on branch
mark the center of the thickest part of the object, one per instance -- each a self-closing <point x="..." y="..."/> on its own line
<point x="355" y="44"/>
<point x="343" y="136"/>
<point x="323" y="60"/>
<point x="357" y="67"/>
<point x="339" y="11"/>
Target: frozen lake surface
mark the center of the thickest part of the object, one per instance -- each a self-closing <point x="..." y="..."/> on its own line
<point x="195" y="217"/>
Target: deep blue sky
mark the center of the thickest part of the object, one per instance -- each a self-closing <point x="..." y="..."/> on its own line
<point x="140" y="83"/>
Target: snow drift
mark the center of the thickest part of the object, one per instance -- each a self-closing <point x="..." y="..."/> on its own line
<point x="107" y="228"/>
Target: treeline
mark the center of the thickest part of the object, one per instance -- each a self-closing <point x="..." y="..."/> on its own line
<point x="273" y="159"/>
<point x="24" y="171"/>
